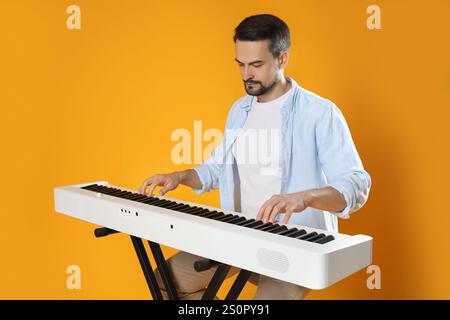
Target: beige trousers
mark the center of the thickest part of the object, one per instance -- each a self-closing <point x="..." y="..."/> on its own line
<point x="191" y="284"/>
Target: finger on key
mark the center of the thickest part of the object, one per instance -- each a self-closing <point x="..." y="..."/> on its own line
<point x="145" y="184"/>
<point x="152" y="188"/>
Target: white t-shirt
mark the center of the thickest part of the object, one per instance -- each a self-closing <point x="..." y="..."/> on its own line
<point x="257" y="151"/>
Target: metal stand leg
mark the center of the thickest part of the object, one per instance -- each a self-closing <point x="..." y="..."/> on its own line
<point x="163" y="270"/>
<point x="216" y="282"/>
<point x="238" y="285"/>
<point x="219" y="277"/>
<point x="213" y="286"/>
<point x="146" y="265"/>
<point x="147" y="268"/>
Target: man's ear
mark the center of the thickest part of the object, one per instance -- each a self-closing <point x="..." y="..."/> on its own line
<point x="283" y="59"/>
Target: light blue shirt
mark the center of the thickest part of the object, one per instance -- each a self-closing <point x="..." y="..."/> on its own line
<point x="318" y="151"/>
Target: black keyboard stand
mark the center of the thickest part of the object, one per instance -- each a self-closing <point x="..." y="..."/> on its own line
<point x="201" y="265"/>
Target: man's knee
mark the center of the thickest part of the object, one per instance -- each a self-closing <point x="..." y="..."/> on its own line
<point x="274" y="289"/>
<point x="183" y="275"/>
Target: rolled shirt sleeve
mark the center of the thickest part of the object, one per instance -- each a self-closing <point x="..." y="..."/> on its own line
<point x="209" y="171"/>
<point x="340" y="161"/>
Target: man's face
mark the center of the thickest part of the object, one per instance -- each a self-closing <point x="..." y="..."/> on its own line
<point x="259" y="69"/>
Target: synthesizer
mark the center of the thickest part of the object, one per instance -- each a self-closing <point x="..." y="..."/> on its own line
<point x="302" y="255"/>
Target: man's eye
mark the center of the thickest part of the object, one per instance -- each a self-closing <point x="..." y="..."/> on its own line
<point x="257" y="66"/>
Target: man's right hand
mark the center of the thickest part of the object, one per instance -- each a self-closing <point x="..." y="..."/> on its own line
<point x="168" y="181"/>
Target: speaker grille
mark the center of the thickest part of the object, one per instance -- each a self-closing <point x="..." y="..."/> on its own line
<point x="273" y="260"/>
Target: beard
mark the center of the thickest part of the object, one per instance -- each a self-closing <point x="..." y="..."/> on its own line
<point x="256" y="88"/>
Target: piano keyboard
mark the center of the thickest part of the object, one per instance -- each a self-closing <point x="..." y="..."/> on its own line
<point x="235" y="219"/>
<point x="306" y="256"/>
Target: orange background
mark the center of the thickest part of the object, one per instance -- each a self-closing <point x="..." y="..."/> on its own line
<point x="100" y="103"/>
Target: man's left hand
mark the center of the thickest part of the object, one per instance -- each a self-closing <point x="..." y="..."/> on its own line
<point x="283" y="203"/>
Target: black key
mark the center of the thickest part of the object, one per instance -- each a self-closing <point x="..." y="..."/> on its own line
<point x="279" y="229"/>
<point x="255" y="224"/>
<point x="140" y="198"/>
<point x="177" y="206"/>
<point x="190" y="209"/>
<point x="133" y="196"/>
<point x="325" y="239"/>
<point x="307" y="236"/>
<point x="225" y="217"/>
<point x="297" y="233"/>
<point x="100" y="189"/>
<point x="109" y="191"/>
<point x="159" y="202"/>
<point x="130" y="194"/>
<point x="214" y="215"/>
<point x="199" y="211"/>
<point x="147" y="197"/>
<point x="267" y="229"/>
<point x="150" y="200"/>
<point x="115" y="191"/>
<point x="264" y="225"/>
<point x="103" y="188"/>
<point x="93" y="187"/>
<point x="319" y="236"/>
<point x="207" y="213"/>
<point x="239" y="221"/>
<point x="288" y="232"/>
<point x="168" y="204"/>
<point x="234" y="219"/>
<point x="90" y="187"/>
<point x="126" y="194"/>
<point x="154" y="198"/>
<point x="119" y="194"/>
<point x="172" y="205"/>
<point x="181" y="207"/>
<point x="245" y="222"/>
<point x="144" y="199"/>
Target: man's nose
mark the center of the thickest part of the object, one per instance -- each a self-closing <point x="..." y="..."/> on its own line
<point x="247" y="74"/>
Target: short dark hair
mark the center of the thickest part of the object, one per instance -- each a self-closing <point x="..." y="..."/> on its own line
<point x="265" y="27"/>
